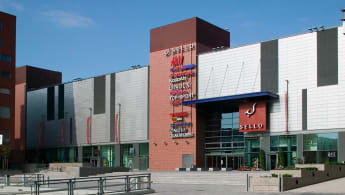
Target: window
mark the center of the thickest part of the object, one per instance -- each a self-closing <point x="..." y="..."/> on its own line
<point x="5" y="137"/>
<point x="319" y="148"/>
<point x="5" y="91"/>
<point x="4" y="112"/>
<point x="6" y="75"/>
<point x="5" y="58"/>
<point x="0" y="25"/>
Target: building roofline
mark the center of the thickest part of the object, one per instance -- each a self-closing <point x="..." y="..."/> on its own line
<point x="82" y="79"/>
<point x="297" y="34"/>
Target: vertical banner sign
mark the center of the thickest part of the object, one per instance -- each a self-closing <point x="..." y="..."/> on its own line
<point x="180" y="79"/>
<point x="116" y="127"/>
<point x="88" y="130"/>
<point x="40" y="135"/>
<point x="63" y="132"/>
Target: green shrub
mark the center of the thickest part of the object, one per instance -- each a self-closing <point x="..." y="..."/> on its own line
<point x="274" y="175"/>
<point x="334" y="163"/>
<point x="290" y="168"/>
<point x="287" y="175"/>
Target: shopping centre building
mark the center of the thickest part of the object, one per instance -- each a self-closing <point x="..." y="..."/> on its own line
<point x="201" y="103"/>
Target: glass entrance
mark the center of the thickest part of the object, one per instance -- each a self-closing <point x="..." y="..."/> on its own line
<point x="224" y="161"/>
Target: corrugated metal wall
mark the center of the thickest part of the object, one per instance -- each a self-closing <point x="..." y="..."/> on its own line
<point x="132" y="95"/>
<point x="234" y="71"/>
<point x="130" y="89"/>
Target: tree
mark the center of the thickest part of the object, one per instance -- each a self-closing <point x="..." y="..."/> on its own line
<point x="5" y="153"/>
<point x="262" y="159"/>
<point x="281" y="158"/>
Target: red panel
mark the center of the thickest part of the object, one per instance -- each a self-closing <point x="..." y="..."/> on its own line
<point x="252" y="116"/>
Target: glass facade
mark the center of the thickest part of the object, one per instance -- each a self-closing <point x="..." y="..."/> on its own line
<point x="107" y="156"/>
<point x="252" y="151"/>
<point x="288" y="145"/>
<point x="127" y="155"/>
<point x="222" y="135"/>
<point x="143" y="156"/>
<point x="319" y="148"/>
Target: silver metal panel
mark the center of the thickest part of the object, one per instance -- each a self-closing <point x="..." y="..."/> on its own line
<point x="83" y="101"/>
<point x="131" y="100"/>
<point x="36" y="113"/>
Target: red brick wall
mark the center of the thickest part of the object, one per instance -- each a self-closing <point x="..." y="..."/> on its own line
<point x="168" y="156"/>
<point x="8" y="47"/>
<point x="166" y="152"/>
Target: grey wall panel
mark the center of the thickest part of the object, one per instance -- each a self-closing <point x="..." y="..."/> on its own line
<point x="52" y="134"/>
<point x="99" y="95"/>
<point x="327" y="57"/>
<point x="83" y="101"/>
<point x="269" y="66"/>
<point x="36" y="113"/>
<point x="341" y="146"/>
<point x="132" y="95"/>
<point x="112" y="107"/>
<point x="69" y="113"/>
<point x="304" y="109"/>
<point x="101" y="122"/>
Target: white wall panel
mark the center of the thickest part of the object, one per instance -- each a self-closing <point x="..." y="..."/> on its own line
<point x="297" y="61"/>
<point x="229" y="72"/>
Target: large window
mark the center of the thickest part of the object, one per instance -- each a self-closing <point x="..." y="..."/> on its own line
<point x="4" y="74"/>
<point x="107" y="156"/>
<point x="5" y="91"/>
<point x="5" y="112"/>
<point x="252" y="150"/>
<point x="222" y="135"/>
<point x="5" y="58"/>
<point x="319" y="148"/>
<point x="288" y="145"/>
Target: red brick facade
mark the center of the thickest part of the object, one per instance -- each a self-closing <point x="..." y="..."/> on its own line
<point x="166" y="152"/>
<point x="8" y="48"/>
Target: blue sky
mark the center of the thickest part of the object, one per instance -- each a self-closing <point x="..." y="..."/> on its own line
<point x="84" y="38"/>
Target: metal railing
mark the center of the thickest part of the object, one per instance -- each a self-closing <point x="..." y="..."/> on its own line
<point x="24" y="180"/>
<point x="96" y="185"/>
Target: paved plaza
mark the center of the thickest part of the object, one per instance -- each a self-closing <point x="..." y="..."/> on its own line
<point x="199" y="183"/>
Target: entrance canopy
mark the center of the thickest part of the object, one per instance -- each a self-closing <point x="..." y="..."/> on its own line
<point x="238" y="97"/>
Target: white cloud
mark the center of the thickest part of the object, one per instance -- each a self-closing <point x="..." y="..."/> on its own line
<point x="68" y="19"/>
<point x="11" y="5"/>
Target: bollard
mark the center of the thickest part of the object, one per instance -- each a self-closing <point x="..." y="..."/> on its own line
<point x="24" y="180"/>
<point x="247" y="182"/>
<point x="149" y="178"/>
<point x="37" y="188"/>
<point x="280" y="182"/>
<point x="100" y="186"/>
<point x="48" y="181"/>
<point x="128" y="184"/>
<point x="7" y="180"/>
<point x="70" y="187"/>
